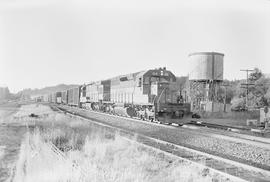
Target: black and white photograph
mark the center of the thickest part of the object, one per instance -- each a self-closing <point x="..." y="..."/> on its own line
<point x="134" y="91"/>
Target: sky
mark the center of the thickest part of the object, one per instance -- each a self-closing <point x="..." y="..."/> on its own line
<point x="48" y="42"/>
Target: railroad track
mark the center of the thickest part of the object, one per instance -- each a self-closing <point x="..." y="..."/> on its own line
<point x="234" y="136"/>
<point x="224" y="133"/>
<point x="248" y="131"/>
<point x="217" y="126"/>
<point x="230" y="168"/>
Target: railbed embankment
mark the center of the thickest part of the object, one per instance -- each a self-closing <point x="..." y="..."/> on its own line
<point x="228" y="166"/>
<point x="233" y="150"/>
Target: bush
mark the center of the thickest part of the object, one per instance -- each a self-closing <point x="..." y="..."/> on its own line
<point x="238" y="104"/>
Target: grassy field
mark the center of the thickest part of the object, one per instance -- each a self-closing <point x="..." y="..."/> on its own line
<point x="58" y="148"/>
<point x="100" y="157"/>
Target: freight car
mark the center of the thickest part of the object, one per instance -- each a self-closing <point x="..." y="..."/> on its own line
<point x="50" y="97"/>
<point x="73" y="96"/>
<point x="53" y="97"/>
<point x="64" y="97"/>
<point x="58" y="97"/>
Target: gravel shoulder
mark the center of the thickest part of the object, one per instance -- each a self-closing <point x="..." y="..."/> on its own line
<point x="234" y="136"/>
<point x="238" y="151"/>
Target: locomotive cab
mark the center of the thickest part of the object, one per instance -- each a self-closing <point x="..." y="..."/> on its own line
<point x="164" y="95"/>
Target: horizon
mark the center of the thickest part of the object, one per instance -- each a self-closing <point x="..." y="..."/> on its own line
<point x="45" y="43"/>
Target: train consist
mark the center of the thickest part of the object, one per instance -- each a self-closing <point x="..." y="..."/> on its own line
<point x="150" y="94"/>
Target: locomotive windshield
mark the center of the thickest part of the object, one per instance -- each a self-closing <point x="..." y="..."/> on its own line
<point x="160" y="79"/>
<point x="155" y="79"/>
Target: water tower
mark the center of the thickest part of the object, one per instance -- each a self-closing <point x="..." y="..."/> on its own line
<point x="205" y="76"/>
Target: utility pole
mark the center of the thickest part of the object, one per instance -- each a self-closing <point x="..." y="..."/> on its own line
<point x="246" y="85"/>
<point x="225" y="98"/>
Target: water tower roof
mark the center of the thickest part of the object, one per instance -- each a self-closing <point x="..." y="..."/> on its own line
<point x="206" y="53"/>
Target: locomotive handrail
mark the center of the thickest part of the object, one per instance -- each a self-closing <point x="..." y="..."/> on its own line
<point x="160" y="94"/>
<point x="154" y="99"/>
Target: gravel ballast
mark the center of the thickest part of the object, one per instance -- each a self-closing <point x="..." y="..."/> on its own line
<point x="238" y="151"/>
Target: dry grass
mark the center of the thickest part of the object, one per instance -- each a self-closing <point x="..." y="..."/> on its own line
<point x="98" y="157"/>
<point x="87" y="153"/>
<point x="2" y="152"/>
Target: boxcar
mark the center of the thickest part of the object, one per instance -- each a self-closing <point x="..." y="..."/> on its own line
<point x="58" y="98"/>
<point x="73" y="98"/>
<point x="64" y="97"/>
<point x="46" y="98"/>
<point x="53" y="97"/>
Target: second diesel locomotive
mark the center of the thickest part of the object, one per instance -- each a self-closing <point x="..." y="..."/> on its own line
<point x="150" y="94"/>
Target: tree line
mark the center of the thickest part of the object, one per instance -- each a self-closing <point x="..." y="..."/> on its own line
<point x="258" y="91"/>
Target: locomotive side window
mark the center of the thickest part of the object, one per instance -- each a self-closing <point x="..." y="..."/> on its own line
<point x="147" y="80"/>
<point x="164" y="79"/>
<point x="154" y="79"/>
<point x="122" y="79"/>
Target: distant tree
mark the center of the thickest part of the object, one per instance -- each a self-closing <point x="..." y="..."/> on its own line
<point x="261" y="87"/>
<point x="233" y="90"/>
<point x="238" y="104"/>
<point x="267" y="98"/>
<point x="230" y="94"/>
<point x="181" y="82"/>
<point x="4" y="93"/>
<point x="257" y="74"/>
<point x="259" y="93"/>
<point x="239" y="92"/>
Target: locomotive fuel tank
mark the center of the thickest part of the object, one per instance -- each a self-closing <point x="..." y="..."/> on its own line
<point x="123" y="110"/>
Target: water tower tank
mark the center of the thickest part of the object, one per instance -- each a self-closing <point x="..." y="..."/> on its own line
<point x="205" y="66"/>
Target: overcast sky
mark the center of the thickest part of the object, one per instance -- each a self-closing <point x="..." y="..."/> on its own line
<point x="47" y="42"/>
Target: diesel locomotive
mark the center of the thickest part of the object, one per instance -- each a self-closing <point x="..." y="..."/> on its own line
<point x="152" y="94"/>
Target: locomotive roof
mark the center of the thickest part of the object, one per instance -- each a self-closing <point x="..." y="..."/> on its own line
<point x="130" y="75"/>
<point x="138" y="74"/>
